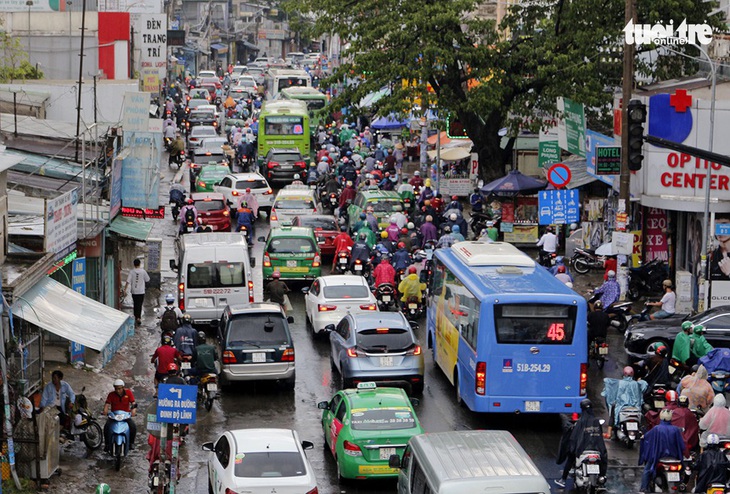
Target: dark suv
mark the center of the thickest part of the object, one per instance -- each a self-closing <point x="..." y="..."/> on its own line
<point x="201" y="117"/>
<point x="282" y="164"/>
<point x="255" y="344"/>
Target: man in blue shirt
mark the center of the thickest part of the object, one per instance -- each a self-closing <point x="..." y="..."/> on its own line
<point x="58" y="393"/>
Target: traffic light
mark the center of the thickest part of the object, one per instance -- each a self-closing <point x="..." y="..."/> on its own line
<point x="637" y="118"/>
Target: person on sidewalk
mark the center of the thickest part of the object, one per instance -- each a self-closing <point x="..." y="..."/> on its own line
<point x="137" y="280"/>
<point x="58" y="393"/>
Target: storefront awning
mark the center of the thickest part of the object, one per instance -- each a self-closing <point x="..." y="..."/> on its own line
<point x="131" y="228"/>
<point x="220" y="48"/>
<point x="68" y="314"/>
<point x="250" y="46"/>
<point x="451" y="154"/>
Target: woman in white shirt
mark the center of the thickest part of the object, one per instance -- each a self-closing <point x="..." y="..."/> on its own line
<point x="667" y="302"/>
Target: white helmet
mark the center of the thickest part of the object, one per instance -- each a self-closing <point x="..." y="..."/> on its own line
<point x="611" y="274"/>
<point x="453" y="216"/>
<point x="118" y="382"/>
<point x="417" y="173"/>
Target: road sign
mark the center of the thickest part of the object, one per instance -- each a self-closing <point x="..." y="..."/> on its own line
<point x="176" y="403"/>
<point x="608" y="160"/>
<point x="559" y="175"/>
<point x="558" y="207"/>
<point x="722" y="228"/>
<point x="572" y="127"/>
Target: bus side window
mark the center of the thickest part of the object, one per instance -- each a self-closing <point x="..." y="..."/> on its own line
<point x="437" y="281"/>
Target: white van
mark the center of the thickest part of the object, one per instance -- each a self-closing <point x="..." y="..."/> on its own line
<point x="213" y="271"/>
<point x="465" y="462"/>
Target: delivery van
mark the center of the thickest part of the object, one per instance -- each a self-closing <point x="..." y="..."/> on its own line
<point x="213" y="271"/>
<point x="465" y="462"/>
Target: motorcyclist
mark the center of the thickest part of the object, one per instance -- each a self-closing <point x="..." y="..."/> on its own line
<point x="393" y="231"/>
<point x="398" y="217"/>
<point x="455" y="204"/>
<point x="384" y="272"/>
<point x="493" y="235"/>
<point x="456" y="233"/>
<point x="699" y="346"/>
<point x="622" y="393"/>
<point x="682" y="417"/>
<point x="362" y="221"/>
<point x="477" y="201"/>
<point x="173" y="375"/>
<point x="411" y="286"/>
<point x="342" y="242"/>
<point x="657" y="366"/>
<point x="360" y="250"/>
<point x="716" y="420"/>
<point x="610" y="291"/>
<point x="447" y="239"/>
<point x="682" y="344"/>
<point x="559" y="261"/>
<point x="401" y="259"/>
<point x="331" y="186"/>
<point x="204" y="356"/>
<point x="170" y="317"/>
<point x="176" y="147"/>
<point x="185" y="336"/>
<point x="164" y="355"/>
<point x="429" y="232"/>
<point x="664" y="440"/>
<point x="121" y="399"/>
<point x="598" y="322"/>
<point x="712" y="465"/>
<point x="245" y="217"/>
<point x="276" y="290"/>
<point x="188" y="213"/>
<point x="697" y="389"/>
<point x="312" y="174"/>
<point x="385" y="244"/>
<point x="370" y="238"/>
<point x="564" y="277"/>
<point x="169" y="128"/>
<point x="416" y="181"/>
<point x="371" y="219"/>
<point x="585" y="434"/>
<point x="348" y="194"/>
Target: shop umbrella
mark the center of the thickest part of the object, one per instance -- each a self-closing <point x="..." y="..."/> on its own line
<point x="514" y="183"/>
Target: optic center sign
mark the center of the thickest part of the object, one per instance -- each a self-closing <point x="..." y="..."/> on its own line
<point x="152" y="42"/>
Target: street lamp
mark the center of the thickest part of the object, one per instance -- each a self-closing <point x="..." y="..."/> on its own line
<point x="29" y="3"/>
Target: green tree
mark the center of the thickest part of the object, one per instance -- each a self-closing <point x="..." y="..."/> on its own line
<point x="14" y="63"/>
<point x="487" y="76"/>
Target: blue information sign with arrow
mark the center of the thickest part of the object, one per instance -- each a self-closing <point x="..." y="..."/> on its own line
<point x="558" y="207"/>
<point x="176" y="403"/>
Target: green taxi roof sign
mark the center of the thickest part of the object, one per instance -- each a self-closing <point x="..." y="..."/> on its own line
<point x="367" y="385"/>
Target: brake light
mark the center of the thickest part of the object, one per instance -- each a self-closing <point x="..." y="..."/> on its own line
<point x="272" y="164"/>
<point x="352" y="449"/>
<point x="250" y="291"/>
<point x="574" y="417"/>
<point x="481" y="378"/>
<point x="230" y="491"/>
<point x="267" y="261"/>
<point x="354" y="352"/>
<point x="288" y="355"/>
<point x="226" y="213"/>
<point x="201" y="184"/>
<point x="228" y="357"/>
<point x="358" y="261"/>
<point x="326" y="308"/>
<point x="416" y="350"/>
<point x="181" y="296"/>
<point x="313" y="491"/>
<point x="273" y="216"/>
<point x="368" y="307"/>
<point x="234" y="193"/>
<point x="268" y="192"/>
<point x="301" y="164"/>
<point x="583" y="378"/>
<point x="675" y="468"/>
<point x="316" y="263"/>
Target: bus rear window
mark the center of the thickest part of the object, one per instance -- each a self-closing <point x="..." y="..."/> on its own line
<point x="315" y="104"/>
<point x="534" y="324"/>
<point x="286" y="82"/>
<point x="283" y="126"/>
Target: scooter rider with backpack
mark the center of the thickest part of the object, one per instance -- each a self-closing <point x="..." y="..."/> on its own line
<point x="188" y="215"/>
<point x="171" y="316"/>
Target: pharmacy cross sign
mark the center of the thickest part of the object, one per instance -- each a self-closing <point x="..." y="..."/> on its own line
<point x="680" y="100"/>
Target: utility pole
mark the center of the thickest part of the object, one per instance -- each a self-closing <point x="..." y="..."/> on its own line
<point x="15" y="112"/>
<point x="81" y="78"/>
<point x="95" y="109"/>
<point x="627" y="86"/>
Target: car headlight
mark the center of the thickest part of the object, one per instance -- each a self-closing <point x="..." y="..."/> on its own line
<point x="636" y="336"/>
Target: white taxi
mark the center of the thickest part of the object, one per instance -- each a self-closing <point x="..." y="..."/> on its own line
<point x="330" y="298"/>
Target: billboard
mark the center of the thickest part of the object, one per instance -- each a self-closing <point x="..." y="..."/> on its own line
<point x="60" y="224"/>
<point x="141" y="170"/>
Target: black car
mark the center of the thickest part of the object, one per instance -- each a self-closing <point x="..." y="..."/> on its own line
<point x="201" y="117"/>
<point x="639" y="336"/>
<point x="282" y="165"/>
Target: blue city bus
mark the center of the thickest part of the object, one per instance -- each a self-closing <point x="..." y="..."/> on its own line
<point x="508" y="335"/>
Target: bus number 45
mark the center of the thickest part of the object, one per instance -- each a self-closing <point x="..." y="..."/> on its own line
<point x="556" y="331"/>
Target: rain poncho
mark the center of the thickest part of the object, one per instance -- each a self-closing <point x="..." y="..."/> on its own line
<point x="716" y="420"/>
<point x="620" y="393"/>
<point x="711" y="467"/>
<point x="411" y="286"/>
<point x="683" y="418"/>
<point x="697" y="389"/>
<point x="586" y="434"/>
<point x="717" y="359"/>
<point x="370" y="235"/>
<point x="700" y="346"/>
<point x="680" y="349"/>
<point x="664" y="440"/>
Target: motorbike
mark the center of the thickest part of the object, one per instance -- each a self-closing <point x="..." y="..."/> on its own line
<point x="168" y="142"/>
<point x="120" y="436"/>
<point x="246" y="233"/>
<point x="669" y="475"/>
<point x="155" y="477"/>
<point x="385" y="293"/>
<point x="647" y="278"/>
<point x="619" y="312"/>
<point x="677" y="370"/>
<point x="332" y="202"/>
<point x="643" y="315"/>
<point x="598" y="351"/>
<point x="361" y="268"/>
<point x="720" y="381"/>
<point x="83" y="424"/>
<point x="547" y="259"/>
<point x="413" y="309"/>
<point x="724" y="445"/>
<point x="400" y="275"/>
<point x="186" y="364"/>
<point x="586" y="259"/>
<point x="178" y="159"/>
<point x="656" y="397"/>
<point x="478" y="222"/>
<point x="177" y="199"/>
<point x="587" y="472"/>
<point x="208" y="390"/>
<point x="628" y="430"/>
<point x="343" y="261"/>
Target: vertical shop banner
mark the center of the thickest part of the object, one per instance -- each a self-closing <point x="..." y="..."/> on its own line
<point x="115" y="197"/>
<point x="636" y="254"/>
<point x="152" y="43"/>
<point x="141" y="170"/>
<point x="78" y="283"/>
<point x="548" y="148"/>
<point x="572" y="127"/>
<point x="136" y="112"/>
<point x="720" y="261"/>
<point x="61" y="216"/>
<point x="474" y="167"/>
<point x="655" y="235"/>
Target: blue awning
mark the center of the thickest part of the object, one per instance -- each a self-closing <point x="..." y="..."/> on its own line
<point x="219" y="47"/>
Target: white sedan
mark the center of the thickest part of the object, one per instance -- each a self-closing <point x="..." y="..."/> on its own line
<point x="330" y="298"/>
<point x="260" y="460"/>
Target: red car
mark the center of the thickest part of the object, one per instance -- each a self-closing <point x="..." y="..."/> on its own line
<point x="325" y="230"/>
<point x="212" y="209"/>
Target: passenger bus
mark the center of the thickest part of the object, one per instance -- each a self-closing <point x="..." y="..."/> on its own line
<point x="508" y="335"/>
<point x="314" y="99"/>
<point x="283" y="124"/>
<point x="277" y="79"/>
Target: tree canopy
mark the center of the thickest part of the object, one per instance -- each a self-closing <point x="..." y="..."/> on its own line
<point x="487" y="76"/>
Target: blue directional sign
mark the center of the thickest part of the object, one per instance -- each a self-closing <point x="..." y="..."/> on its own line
<point x="558" y="207"/>
<point x="176" y="403"/>
<point x="722" y="228"/>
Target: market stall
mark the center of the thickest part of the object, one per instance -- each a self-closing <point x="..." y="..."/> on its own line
<point x="457" y="175"/>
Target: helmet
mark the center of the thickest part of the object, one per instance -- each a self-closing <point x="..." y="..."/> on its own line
<point x="670" y="396"/>
<point x="628" y="371"/>
<point x="118" y="382"/>
<point x="698" y="329"/>
<point x="427" y="183"/>
<point x="410" y="225"/>
<point x="170" y="298"/>
<point x="447" y="229"/>
<point x="189" y="201"/>
<point x="686" y="325"/>
<point x="187" y="319"/>
<point x="665" y="415"/>
<point x="276" y="275"/>
<point x="658" y="348"/>
<point x="416" y="173"/>
<point x="453" y="217"/>
<point x="166" y="340"/>
<point x="412" y="270"/>
<point x="248" y="190"/>
<point x="684" y="401"/>
<point x="573" y="226"/>
<point x="201" y="335"/>
<point x="490" y="223"/>
<point x="611" y="274"/>
<point x="713" y="439"/>
<point x="561" y="269"/>
<point x="586" y="404"/>
<point x="667" y="283"/>
<point x="383" y="234"/>
<point x="429" y="218"/>
<point x="404" y="230"/>
<point x="172" y="368"/>
<point x="598" y="305"/>
<point x="105" y="489"/>
<point x="401" y="245"/>
<point x="456" y="229"/>
<point x="454" y="198"/>
<point x="312" y="163"/>
<point x="363" y="216"/>
<point x="362" y="236"/>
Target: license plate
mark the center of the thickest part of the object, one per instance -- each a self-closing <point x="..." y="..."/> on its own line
<point x="212" y="387"/>
<point x="386" y="298"/>
<point x="386" y="361"/>
<point x="358" y="267"/>
<point x="592" y="468"/>
<point x="603" y="350"/>
<point x="532" y="406"/>
<point x="291" y="264"/>
<point x="413" y="306"/>
<point x="658" y="404"/>
<point x="202" y="302"/>
<point x="258" y="357"/>
<point x="673" y="476"/>
<point x="632" y="426"/>
<point x="386" y="453"/>
<point x="671" y="370"/>
<point x="185" y="365"/>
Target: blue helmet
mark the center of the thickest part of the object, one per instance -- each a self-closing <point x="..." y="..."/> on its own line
<point x="456" y="229"/>
<point x="363" y="216"/>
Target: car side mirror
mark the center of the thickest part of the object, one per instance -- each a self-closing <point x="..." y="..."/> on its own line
<point x="209" y="447"/>
<point x="290" y="319"/>
<point x="261" y="239"/>
<point x="394" y="461"/>
<point x="415" y="402"/>
<point x="305" y="290"/>
<point x="173" y="265"/>
<point x="323" y="405"/>
<point x="307" y="445"/>
<point x="329" y="327"/>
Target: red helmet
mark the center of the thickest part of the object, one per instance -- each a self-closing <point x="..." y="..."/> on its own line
<point x="628" y="371"/>
<point x="454" y="198"/>
<point x="412" y="270"/>
<point x="276" y="275"/>
<point x="190" y="201"/>
<point x="401" y="245"/>
<point x="561" y="269"/>
<point x="172" y="367"/>
<point x="670" y="396"/>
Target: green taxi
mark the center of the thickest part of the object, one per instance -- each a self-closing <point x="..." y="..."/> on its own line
<point x="382" y="201"/>
<point x="209" y="176"/>
<point x="294" y="252"/>
<point x="363" y="427"/>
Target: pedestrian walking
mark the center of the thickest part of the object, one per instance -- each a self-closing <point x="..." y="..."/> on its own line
<point x="136" y="280"/>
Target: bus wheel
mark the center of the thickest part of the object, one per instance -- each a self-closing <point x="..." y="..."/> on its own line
<point x="459" y="401"/>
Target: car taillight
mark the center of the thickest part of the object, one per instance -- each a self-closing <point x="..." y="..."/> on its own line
<point x="369" y="307"/>
<point x="272" y="164"/>
<point x="317" y="261"/>
<point x="250" y="291"/>
<point x="234" y="193"/>
<point x="314" y="491"/>
<point x="230" y="491"/>
<point x="201" y="184"/>
<point x="416" y="350"/>
<point x="181" y="296"/>
<point x="226" y="213"/>
<point x="326" y="308"/>
<point x="228" y="357"/>
<point x="267" y="261"/>
<point x="288" y="355"/>
<point x="352" y="449"/>
<point x="301" y="164"/>
<point x="480" y="384"/>
<point x="274" y="216"/>
<point x="268" y="192"/>
<point x="355" y="352"/>
<point x="583" y="378"/>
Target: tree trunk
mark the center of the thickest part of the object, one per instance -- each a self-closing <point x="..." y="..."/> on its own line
<point x="485" y="136"/>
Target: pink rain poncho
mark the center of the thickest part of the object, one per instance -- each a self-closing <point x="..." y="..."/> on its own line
<point x="697" y="389"/>
<point x="716" y="420"/>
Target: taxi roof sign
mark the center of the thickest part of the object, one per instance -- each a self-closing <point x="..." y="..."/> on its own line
<point x="367" y="385"/>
